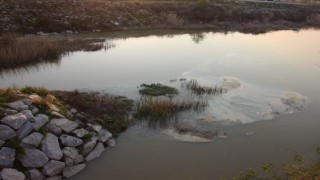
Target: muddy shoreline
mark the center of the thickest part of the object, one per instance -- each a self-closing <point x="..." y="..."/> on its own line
<point x="93" y="16"/>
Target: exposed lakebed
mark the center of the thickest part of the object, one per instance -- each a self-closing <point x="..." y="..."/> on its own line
<point x="271" y="76"/>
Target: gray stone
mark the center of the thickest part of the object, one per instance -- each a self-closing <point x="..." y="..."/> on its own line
<point x="39" y="121"/>
<point x="96" y="128"/>
<point x="56" y="114"/>
<point x="80" y="132"/>
<point x="35" y="110"/>
<point x="7" y="156"/>
<point x="104" y="136"/>
<point x="54" y="129"/>
<point x="6" y="132"/>
<point x="35" y="174"/>
<point x="24" y="107"/>
<point x="33" y="158"/>
<point x="33" y="139"/>
<point x="69" y="126"/>
<point x="1" y="143"/>
<point x="111" y="142"/>
<point x="59" y="121"/>
<point x="72" y="153"/>
<point x="53" y="168"/>
<point x="69" y="162"/>
<point x="16" y="105"/>
<point x="71" y="171"/>
<point x="25" y="130"/>
<point x="10" y="111"/>
<point x="28" y="114"/>
<point x="54" y="178"/>
<point x="88" y="147"/>
<point x="73" y="111"/>
<point x="15" y="120"/>
<point x="12" y="174"/>
<point x="70" y="140"/>
<point x="27" y="102"/>
<point x="51" y="147"/>
<point x="97" y="151"/>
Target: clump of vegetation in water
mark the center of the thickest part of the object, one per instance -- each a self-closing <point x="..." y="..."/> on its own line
<point x="299" y="168"/>
<point x="195" y="87"/>
<point x="157" y="90"/>
<point x="164" y="108"/>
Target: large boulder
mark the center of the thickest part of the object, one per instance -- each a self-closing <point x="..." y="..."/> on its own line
<point x="14" y="120"/>
<point x="54" y="129"/>
<point x="7" y="157"/>
<point x="70" y="141"/>
<point x="35" y="174"/>
<point x="104" y="136"/>
<point x="72" y="153"/>
<point x="73" y="170"/>
<point x="28" y="114"/>
<point x="80" y="132"/>
<point x="53" y="168"/>
<point x="12" y="174"/>
<point x="6" y="132"/>
<point x="39" y="121"/>
<point x="33" y="158"/>
<point x="16" y="105"/>
<point x="88" y="147"/>
<point x="25" y="129"/>
<point x="33" y="140"/>
<point x="51" y="147"/>
<point x="97" y="151"/>
<point x="65" y="124"/>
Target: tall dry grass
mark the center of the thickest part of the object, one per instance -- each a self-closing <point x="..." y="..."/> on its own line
<point x="16" y="51"/>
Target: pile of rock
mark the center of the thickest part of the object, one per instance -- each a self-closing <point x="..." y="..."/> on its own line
<point x="46" y="144"/>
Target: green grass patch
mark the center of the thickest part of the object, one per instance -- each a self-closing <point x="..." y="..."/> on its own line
<point x="157" y="90"/>
<point x="34" y="90"/>
<point x="115" y="125"/>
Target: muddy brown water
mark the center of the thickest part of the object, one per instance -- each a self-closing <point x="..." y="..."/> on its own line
<point x="265" y="65"/>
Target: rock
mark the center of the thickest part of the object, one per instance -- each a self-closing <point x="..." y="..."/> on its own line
<point x="69" y="162"/>
<point x="33" y="140"/>
<point x="12" y="174"/>
<point x="51" y="147"/>
<point x="72" y="153"/>
<point x="15" y="120"/>
<point x="24" y="107"/>
<point x="28" y="114"/>
<point x="27" y="101"/>
<point x="80" y="132"/>
<point x="35" y="174"/>
<point x="111" y="142"/>
<point x="56" y="114"/>
<point x="70" y="140"/>
<point x="71" y="171"/>
<point x="73" y="111"/>
<point x="69" y="126"/>
<point x="39" y="121"/>
<point x="35" y="110"/>
<point x="53" y="168"/>
<point x="59" y="122"/>
<point x="54" y="129"/>
<point x="54" y="178"/>
<point x="104" y="136"/>
<point x="6" y="132"/>
<point x="88" y="147"/>
<point x="96" y="128"/>
<point x="16" y="105"/>
<point x="7" y="157"/>
<point x="10" y="111"/>
<point x="25" y="130"/>
<point x="1" y="143"/>
<point x="33" y="158"/>
<point x="96" y="152"/>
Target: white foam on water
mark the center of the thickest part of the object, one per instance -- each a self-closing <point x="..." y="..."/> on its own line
<point x="185" y="137"/>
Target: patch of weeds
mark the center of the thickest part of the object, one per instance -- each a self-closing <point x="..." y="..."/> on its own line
<point x="198" y="89"/>
<point x="164" y="108"/>
<point x="157" y="90"/>
<point x="36" y="90"/>
<point x="8" y="95"/>
<point x="116" y="125"/>
<point x="43" y="130"/>
<point x="14" y="143"/>
<point x="87" y="137"/>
